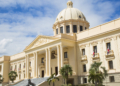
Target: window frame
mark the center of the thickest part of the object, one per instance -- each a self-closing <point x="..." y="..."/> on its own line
<point x="84" y="80"/>
<point x="65" y="55"/>
<point x="74" y="28"/>
<point x="109" y="45"/>
<point x="84" y="68"/>
<point x="95" y="50"/>
<point x="110" y="65"/>
<point x="68" y="29"/>
<point x="82" y="51"/>
<point x="61" y="29"/>
<point x="81" y="27"/>
<point x="57" y="31"/>
<point x="111" y="79"/>
<point x="42" y="60"/>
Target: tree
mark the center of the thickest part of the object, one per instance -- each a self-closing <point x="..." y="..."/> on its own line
<point x="65" y="71"/>
<point x="12" y="76"/>
<point x="97" y="74"/>
<point x="52" y="78"/>
<point x="1" y="79"/>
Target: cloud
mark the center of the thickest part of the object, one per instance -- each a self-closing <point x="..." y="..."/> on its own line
<point x="3" y="45"/>
<point x="23" y="20"/>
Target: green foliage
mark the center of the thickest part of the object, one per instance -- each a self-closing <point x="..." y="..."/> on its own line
<point x="52" y="79"/>
<point x="1" y="79"/>
<point x="12" y="75"/>
<point x="95" y="75"/>
<point x="66" y="71"/>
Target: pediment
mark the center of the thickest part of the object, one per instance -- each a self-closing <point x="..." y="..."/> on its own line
<point x="40" y="40"/>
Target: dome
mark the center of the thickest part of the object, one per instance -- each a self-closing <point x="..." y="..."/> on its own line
<point x="70" y="13"/>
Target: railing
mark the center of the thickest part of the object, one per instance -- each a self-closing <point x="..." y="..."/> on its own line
<point x="66" y="60"/>
<point x="95" y="56"/>
<point x="42" y="65"/>
<point x="83" y="58"/>
<point x="109" y="54"/>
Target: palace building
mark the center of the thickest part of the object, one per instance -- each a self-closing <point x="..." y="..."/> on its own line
<point x="73" y="43"/>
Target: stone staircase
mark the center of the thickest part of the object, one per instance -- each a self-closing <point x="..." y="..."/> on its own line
<point x="36" y="81"/>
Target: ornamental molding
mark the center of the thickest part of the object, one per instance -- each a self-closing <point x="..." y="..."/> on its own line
<point x="94" y="43"/>
<point x="41" y="41"/>
<point x="108" y="39"/>
<point x="82" y="46"/>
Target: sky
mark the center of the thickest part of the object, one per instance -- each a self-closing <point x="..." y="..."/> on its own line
<point x="21" y="21"/>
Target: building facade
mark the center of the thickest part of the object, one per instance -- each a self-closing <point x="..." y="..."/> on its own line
<point x="73" y="43"/>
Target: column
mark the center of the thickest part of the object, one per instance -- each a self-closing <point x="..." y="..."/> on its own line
<point x="71" y="27"/>
<point x="64" y="28"/>
<point x="27" y="67"/>
<point x="34" y="64"/>
<point x="62" y="57"/>
<point x="49" y="52"/>
<point x="78" y="28"/>
<point x="58" y="29"/>
<point x="58" y="58"/>
<point x="47" y="64"/>
<point x="116" y="61"/>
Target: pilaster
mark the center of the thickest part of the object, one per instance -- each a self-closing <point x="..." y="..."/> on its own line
<point x="49" y="52"/>
<point x="58" y="58"/>
<point x="62" y="57"/>
<point x="71" y="27"/>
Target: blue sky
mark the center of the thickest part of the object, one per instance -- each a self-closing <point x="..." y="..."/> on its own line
<point x="22" y="20"/>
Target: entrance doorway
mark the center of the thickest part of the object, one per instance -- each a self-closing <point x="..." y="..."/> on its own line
<point x="56" y="70"/>
<point x="71" y="81"/>
<point x="42" y="73"/>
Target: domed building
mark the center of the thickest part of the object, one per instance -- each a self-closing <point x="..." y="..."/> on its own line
<point x="73" y="43"/>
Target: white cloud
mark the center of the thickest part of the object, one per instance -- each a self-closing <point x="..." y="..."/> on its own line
<point x="19" y="26"/>
<point x="3" y="45"/>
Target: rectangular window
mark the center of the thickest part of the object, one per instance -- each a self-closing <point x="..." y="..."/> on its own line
<point x="56" y="31"/>
<point x="53" y="55"/>
<point x="84" y="68"/>
<point x="67" y="29"/>
<point x="111" y="78"/>
<point x="65" y="54"/>
<point x="84" y="80"/>
<point x="42" y="60"/>
<point x="30" y="64"/>
<point x="110" y="64"/>
<point x="74" y="28"/>
<point x="81" y="28"/>
<point x="95" y="49"/>
<point x="108" y="46"/>
<point x="61" y="29"/>
<point x="20" y="66"/>
<point x="85" y="28"/>
<point x="83" y="51"/>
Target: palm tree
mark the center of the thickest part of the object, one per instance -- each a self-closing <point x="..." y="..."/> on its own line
<point x="52" y="78"/>
<point x="96" y="75"/>
<point x="1" y="79"/>
<point x="65" y="71"/>
<point x="12" y="76"/>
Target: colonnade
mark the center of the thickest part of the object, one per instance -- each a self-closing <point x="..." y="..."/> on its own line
<point x="47" y="57"/>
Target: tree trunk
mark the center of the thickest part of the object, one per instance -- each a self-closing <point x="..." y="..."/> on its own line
<point x="53" y="84"/>
<point x="95" y="83"/>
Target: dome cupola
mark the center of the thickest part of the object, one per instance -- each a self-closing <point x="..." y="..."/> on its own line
<point x="70" y="20"/>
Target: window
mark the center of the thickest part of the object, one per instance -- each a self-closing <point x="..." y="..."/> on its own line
<point x="79" y="16"/>
<point x="85" y="28"/>
<point x="65" y="54"/>
<point x="20" y="66"/>
<point x="110" y="64"/>
<point x="81" y="28"/>
<point x="56" y="31"/>
<point x="15" y="67"/>
<point x="83" y="51"/>
<point x="74" y="28"/>
<point x="53" y="55"/>
<point x="95" y="49"/>
<point x="30" y="64"/>
<point x="24" y="65"/>
<point x="84" y="80"/>
<point x="84" y="68"/>
<point x="61" y="29"/>
<point x="108" y="46"/>
<point x="42" y="60"/>
<point x="111" y="78"/>
<point x="67" y="29"/>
